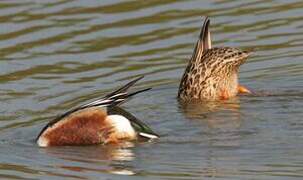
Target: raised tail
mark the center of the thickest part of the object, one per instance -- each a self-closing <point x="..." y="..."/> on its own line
<point x="204" y="42"/>
<point x="117" y="97"/>
<point x="124" y="88"/>
<point x="109" y="100"/>
<point x="205" y="34"/>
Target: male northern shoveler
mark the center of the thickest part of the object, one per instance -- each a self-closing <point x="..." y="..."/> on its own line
<point x="212" y="73"/>
<point x="96" y="122"/>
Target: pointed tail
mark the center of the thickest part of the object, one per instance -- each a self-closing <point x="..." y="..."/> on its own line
<point x="124" y="88"/>
<point x="204" y="42"/>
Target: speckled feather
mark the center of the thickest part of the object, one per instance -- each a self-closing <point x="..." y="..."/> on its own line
<point x="211" y="71"/>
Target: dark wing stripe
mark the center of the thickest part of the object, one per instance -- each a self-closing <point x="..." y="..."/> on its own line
<point x="113" y="99"/>
<point x="207" y="38"/>
<point x="104" y="101"/>
<point x="204" y="28"/>
<point x="205" y="34"/>
<point x="124" y="88"/>
<point x="116" y="97"/>
<point x="137" y="92"/>
<point x="138" y="125"/>
<point x="204" y="42"/>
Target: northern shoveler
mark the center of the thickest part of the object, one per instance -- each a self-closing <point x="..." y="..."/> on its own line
<point x="212" y="73"/>
<point x="96" y="122"/>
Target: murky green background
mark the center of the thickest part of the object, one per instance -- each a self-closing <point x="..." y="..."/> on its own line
<point x="58" y="54"/>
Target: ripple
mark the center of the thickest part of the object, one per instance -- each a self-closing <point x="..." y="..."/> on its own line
<point x="59" y="54"/>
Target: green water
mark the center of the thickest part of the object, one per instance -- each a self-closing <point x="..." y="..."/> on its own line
<point x="55" y="55"/>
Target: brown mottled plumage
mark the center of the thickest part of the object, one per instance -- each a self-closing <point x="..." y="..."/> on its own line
<point x="212" y="73"/>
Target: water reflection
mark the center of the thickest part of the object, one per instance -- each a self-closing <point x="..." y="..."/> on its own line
<point x="222" y="133"/>
<point x="110" y="158"/>
<point x="56" y="54"/>
<point x="113" y="155"/>
<point x="214" y="113"/>
<point x="220" y="121"/>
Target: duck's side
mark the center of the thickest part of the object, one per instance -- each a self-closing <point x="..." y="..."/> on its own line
<point x="88" y="126"/>
<point x="91" y="124"/>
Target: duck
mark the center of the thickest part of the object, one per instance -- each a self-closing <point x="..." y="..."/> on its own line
<point x="101" y="121"/>
<point x="212" y="72"/>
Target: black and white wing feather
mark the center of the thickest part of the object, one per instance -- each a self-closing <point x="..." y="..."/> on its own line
<point x="110" y="100"/>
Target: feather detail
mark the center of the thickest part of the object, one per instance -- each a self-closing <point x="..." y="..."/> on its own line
<point x="205" y="37"/>
<point x="88" y="123"/>
<point x="204" y="42"/>
<point x="149" y="136"/>
<point x="138" y="125"/>
<point x="79" y="128"/>
<point x="210" y="70"/>
<point x="121" y="129"/>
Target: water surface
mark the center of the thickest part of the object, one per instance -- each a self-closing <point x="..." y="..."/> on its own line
<point x="58" y="54"/>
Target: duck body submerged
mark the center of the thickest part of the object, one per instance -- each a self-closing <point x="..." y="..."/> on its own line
<point x="212" y="73"/>
<point x="98" y="122"/>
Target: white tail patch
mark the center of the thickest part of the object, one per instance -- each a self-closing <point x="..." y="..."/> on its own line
<point x="122" y="125"/>
<point x="42" y="141"/>
<point x="150" y="136"/>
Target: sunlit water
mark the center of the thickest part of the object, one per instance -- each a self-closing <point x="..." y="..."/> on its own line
<point x="59" y="54"/>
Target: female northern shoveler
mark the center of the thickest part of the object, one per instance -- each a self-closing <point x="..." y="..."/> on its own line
<point x="212" y="73"/>
<point x="96" y="122"/>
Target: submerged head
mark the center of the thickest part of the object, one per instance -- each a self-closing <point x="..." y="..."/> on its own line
<point x="212" y="73"/>
<point x="98" y="122"/>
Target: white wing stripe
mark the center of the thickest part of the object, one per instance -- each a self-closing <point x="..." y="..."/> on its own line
<point x="148" y="135"/>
